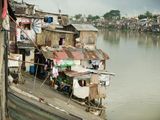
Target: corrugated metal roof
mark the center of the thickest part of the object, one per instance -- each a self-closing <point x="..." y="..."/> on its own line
<point x="84" y="27"/>
<point x="59" y="31"/>
<point x="75" y="54"/>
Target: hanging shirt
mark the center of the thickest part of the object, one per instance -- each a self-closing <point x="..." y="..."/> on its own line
<point x="55" y="72"/>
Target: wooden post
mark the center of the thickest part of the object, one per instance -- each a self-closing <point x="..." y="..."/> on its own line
<point x="45" y="79"/>
<point x="35" y="76"/>
<point x="6" y="69"/>
<point x="2" y="81"/>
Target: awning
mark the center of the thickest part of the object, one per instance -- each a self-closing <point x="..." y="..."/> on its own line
<point x="74" y="54"/>
<point x="75" y="73"/>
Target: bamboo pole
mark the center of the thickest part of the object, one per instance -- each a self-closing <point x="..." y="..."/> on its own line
<point x="45" y="80"/>
<point x="6" y="70"/>
<point x="35" y="77"/>
<point x="2" y="82"/>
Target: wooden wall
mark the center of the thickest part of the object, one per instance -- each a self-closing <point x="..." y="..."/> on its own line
<point x="88" y="37"/>
<point x="51" y="38"/>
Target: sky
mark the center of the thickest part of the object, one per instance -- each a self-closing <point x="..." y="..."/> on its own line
<point x="98" y="7"/>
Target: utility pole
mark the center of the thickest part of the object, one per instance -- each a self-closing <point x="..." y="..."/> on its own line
<point x="2" y="82"/>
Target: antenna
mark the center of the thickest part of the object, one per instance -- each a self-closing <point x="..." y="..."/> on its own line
<point x="59" y="10"/>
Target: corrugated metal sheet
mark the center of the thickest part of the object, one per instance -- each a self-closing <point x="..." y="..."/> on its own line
<point x="75" y="54"/>
<point x="84" y="27"/>
<point x="24" y="109"/>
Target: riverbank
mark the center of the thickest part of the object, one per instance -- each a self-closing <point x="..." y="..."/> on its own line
<point x="54" y="98"/>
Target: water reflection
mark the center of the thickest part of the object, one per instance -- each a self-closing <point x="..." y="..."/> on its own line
<point x="134" y="57"/>
<point x="110" y="36"/>
<point x="147" y="40"/>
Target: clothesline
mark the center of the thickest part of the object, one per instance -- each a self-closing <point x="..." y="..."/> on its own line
<point x="26" y="62"/>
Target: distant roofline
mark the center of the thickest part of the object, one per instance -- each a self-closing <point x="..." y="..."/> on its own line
<point x="29" y="16"/>
<point x="29" y="4"/>
<point x="50" y="13"/>
<point x="94" y="30"/>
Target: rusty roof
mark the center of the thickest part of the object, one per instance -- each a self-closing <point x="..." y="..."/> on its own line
<point x="75" y="54"/>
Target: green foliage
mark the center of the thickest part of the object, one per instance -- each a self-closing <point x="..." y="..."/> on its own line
<point x="147" y="14"/>
<point x="92" y="18"/>
<point x="112" y="15"/>
<point x="78" y="16"/>
<point x="142" y="17"/>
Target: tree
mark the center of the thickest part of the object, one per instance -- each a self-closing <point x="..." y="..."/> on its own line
<point x="78" y="16"/>
<point x="142" y="17"/>
<point x="92" y="18"/>
<point x="148" y="14"/>
<point x="113" y="14"/>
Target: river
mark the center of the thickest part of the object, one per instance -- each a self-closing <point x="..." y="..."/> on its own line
<point x="134" y="93"/>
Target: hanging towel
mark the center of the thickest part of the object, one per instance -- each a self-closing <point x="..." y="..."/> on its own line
<point x="55" y="72"/>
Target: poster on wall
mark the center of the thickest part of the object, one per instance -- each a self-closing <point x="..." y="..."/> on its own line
<point x="27" y="29"/>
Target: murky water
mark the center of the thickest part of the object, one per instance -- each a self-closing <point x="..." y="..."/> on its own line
<point x="134" y="93"/>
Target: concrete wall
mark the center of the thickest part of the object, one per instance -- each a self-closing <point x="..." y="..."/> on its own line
<point x="21" y="36"/>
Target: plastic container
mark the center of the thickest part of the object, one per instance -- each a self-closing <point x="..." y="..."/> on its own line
<point x="32" y="69"/>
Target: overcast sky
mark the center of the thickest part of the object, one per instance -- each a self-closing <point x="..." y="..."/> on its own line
<point x="98" y="7"/>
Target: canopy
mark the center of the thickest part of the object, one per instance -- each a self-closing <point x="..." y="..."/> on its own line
<point x="74" y="54"/>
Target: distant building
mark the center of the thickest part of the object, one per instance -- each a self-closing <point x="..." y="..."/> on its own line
<point x="58" y="18"/>
<point x="158" y="19"/>
<point x="23" y="8"/>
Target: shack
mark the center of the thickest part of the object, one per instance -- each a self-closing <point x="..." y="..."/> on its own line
<point x="65" y="70"/>
<point x="24" y="31"/>
<point x="52" y="37"/>
<point x="85" y="35"/>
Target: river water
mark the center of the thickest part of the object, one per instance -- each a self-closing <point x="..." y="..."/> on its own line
<point x="134" y="93"/>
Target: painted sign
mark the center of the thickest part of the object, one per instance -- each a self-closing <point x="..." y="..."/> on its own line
<point x="27" y="29"/>
<point x="37" y="25"/>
